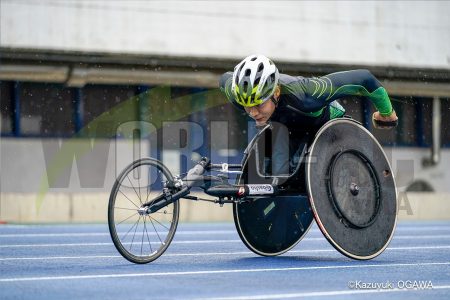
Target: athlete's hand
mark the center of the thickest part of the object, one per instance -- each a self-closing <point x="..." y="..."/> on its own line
<point x="381" y="122"/>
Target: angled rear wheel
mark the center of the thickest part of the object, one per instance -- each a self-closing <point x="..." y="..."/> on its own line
<point x="270" y="226"/>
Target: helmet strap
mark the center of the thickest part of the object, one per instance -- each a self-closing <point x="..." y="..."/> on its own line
<point x="275" y="101"/>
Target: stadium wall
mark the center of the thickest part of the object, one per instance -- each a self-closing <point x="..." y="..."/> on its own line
<point x="387" y="33"/>
<point x="80" y="190"/>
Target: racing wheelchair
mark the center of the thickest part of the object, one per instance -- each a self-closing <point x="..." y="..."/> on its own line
<point x="341" y="178"/>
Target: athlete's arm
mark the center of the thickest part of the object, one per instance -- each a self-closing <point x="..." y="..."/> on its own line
<point x="322" y="90"/>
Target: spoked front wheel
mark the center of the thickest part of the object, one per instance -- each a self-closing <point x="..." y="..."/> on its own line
<point x="141" y="237"/>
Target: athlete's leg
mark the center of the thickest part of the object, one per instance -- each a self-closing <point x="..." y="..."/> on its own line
<point x="280" y="150"/>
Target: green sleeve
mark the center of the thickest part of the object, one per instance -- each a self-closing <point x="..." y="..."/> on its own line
<point x="323" y="90"/>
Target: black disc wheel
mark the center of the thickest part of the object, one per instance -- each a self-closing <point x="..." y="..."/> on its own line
<point x="273" y="225"/>
<point x="139" y="236"/>
<point x="351" y="189"/>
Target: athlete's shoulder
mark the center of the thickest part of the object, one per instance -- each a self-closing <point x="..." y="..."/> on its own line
<point x="225" y="79"/>
<point x="292" y="85"/>
<point x="225" y="83"/>
<point x="288" y="79"/>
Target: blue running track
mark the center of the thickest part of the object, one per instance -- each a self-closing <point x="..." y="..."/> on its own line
<point x="208" y="261"/>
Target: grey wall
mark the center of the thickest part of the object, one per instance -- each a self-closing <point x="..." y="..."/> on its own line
<point x="63" y="165"/>
<point x="26" y="164"/>
<point x="402" y="33"/>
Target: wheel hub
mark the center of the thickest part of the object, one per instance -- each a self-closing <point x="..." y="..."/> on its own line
<point x="143" y="211"/>
<point x="354" y="189"/>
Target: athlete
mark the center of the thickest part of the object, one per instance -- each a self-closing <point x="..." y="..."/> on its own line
<point x="301" y="104"/>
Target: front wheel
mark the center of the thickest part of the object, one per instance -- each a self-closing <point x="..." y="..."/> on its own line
<point x="141" y="237"/>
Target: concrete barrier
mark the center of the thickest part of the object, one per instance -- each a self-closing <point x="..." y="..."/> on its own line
<point x="92" y="207"/>
<point x="424" y="206"/>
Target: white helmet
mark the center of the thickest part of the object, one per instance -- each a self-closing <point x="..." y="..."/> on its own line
<point x="254" y="80"/>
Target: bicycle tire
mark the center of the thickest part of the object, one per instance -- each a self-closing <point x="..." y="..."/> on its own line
<point x="166" y="218"/>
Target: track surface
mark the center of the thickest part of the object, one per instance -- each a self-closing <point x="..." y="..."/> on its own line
<point x="208" y="261"/>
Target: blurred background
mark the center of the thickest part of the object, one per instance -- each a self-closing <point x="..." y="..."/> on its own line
<point x="79" y="77"/>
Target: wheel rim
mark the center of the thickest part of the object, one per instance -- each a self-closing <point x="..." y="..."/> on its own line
<point x="141" y="237"/>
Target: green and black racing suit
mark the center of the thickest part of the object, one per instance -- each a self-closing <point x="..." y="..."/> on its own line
<point x="305" y="104"/>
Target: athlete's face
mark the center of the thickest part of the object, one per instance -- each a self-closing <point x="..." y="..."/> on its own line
<point x="261" y="113"/>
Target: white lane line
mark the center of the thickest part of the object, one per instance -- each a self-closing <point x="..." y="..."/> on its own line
<point x="307" y="239"/>
<point x="61" y="257"/>
<point x="192" y="232"/>
<point x="209" y="272"/>
<point x="95" y="234"/>
<point x="212" y="253"/>
<point x="111" y="244"/>
<point x="322" y="294"/>
<point x="419" y="247"/>
<point x="437" y="236"/>
<point x="76" y="234"/>
<point x="425" y="227"/>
